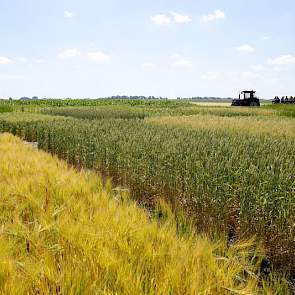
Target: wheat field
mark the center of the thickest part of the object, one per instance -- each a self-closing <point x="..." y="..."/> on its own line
<point x="65" y="232"/>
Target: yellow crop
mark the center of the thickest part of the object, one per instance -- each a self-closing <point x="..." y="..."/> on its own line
<point x="255" y="125"/>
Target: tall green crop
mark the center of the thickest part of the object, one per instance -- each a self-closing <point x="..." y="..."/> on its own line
<point x="5" y="108"/>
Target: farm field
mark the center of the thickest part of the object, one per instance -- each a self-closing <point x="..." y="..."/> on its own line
<point x="231" y="171"/>
<point x="147" y="147"/>
<point x="65" y="232"/>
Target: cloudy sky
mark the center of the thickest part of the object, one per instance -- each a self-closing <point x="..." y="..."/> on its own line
<point x="96" y="48"/>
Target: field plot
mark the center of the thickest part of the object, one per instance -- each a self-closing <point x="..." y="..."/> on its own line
<point x="213" y="104"/>
<point x="258" y="125"/>
<point x="64" y="232"/>
<point x="230" y="169"/>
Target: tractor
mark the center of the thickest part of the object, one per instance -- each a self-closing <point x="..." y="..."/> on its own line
<point x="247" y="98"/>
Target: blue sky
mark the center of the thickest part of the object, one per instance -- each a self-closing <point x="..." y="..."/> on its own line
<point x="170" y="48"/>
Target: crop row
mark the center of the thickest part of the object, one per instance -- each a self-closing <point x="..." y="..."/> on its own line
<point x="272" y="126"/>
<point x="102" y="112"/>
<point x="142" y="111"/>
<point x="92" y="102"/>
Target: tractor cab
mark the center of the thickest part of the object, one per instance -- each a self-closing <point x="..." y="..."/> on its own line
<point x="247" y="98"/>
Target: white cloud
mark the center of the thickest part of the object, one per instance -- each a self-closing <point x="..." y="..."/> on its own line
<point x="148" y="65"/>
<point x="257" y="68"/>
<point x="282" y="60"/>
<point x="38" y="60"/>
<point x="33" y="60"/>
<point x="68" y="14"/>
<point x="161" y="20"/>
<point x="69" y="53"/>
<point x="217" y="15"/>
<point x="180" y="18"/>
<point x="177" y="56"/>
<point x="98" y="57"/>
<point x="249" y="75"/>
<point x="265" y="38"/>
<point x="211" y="76"/>
<point x="10" y="77"/>
<point x="4" y="60"/>
<point x="22" y="59"/>
<point x="181" y="61"/>
<point x="245" y="48"/>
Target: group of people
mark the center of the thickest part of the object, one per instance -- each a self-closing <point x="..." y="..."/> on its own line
<point x="284" y="99"/>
